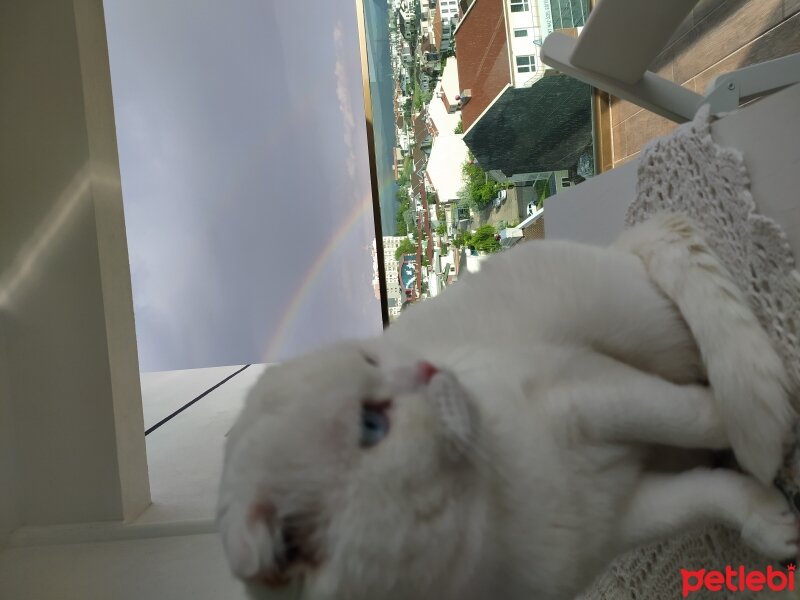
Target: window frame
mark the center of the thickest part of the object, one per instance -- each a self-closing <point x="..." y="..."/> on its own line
<point x="526" y="67"/>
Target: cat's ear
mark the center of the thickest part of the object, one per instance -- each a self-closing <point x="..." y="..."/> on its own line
<point x="247" y="539"/>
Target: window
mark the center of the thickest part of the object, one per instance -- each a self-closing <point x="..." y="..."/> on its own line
<point x="526" y="64"/>
<point x="401" y="149"/>
<point x="520" y="6"/>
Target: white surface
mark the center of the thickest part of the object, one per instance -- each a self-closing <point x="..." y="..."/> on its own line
<point x="448" y="155"/>
<point x="183" y="568"/>
<point x="592" y="212"/>
<point x="766" y="133"/>
<point x="164" y="392"/>
<point x="185" y="454"/>
<point x="172" y="550"/>
<point x="64" y="276"/>
<point x="445" y="122"/>
<point x="450" y="79"/>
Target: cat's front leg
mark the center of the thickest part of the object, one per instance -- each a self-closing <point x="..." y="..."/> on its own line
<point x="666" y="505"/>
<point x="748" y="377"/>
<point x="622" y="404"/>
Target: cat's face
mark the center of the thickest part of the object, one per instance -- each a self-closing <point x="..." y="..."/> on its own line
<point x="346" y="466"/>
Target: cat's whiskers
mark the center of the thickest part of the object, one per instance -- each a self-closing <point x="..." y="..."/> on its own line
<point x="478" y="455"/>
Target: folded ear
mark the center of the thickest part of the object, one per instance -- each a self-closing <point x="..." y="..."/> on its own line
<point x="246" y="537"/>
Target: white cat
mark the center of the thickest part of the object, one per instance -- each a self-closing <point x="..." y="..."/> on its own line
<point x="498" y="441"/>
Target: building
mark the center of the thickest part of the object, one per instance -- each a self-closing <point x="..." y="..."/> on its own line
<point x="394" y="293"/>
<point x="565" y="14"/>
<point x="440" y="121"/>
<point x="450" y="89"/>
<point x="519" y="119"/>
<point x="445" y="19"/>
<point x="444" y="173"/>
<point x="407" y="275"/>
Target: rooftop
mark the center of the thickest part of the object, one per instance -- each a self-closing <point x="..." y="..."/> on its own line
<point x="450" y="81"/>
<point x="445" y="122"/>
<point x="545" y="127"/>
<point x="483" y="61"/>
<point x="448" y="155"/>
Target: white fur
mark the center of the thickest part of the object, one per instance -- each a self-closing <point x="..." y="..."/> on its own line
<point x="520" y="469"/>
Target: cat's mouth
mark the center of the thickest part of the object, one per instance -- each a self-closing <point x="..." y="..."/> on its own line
<point x="296" y="552"/>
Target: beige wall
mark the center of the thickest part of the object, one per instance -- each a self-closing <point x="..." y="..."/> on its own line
<point x="9" y="515"/>
<point x="64" y="276"/>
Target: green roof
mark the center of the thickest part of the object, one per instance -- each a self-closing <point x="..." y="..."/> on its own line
<point x="544" y="127"/>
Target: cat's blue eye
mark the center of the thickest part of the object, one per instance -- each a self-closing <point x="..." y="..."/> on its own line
<point x="374" y="424"/>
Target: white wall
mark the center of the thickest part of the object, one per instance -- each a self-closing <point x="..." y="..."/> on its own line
<point x="766" y="134"/>
<point x="524" y="46"/>
<point x="64" y="279"/>
<point x="9" y="514"/>
<point x="592" y="212"/>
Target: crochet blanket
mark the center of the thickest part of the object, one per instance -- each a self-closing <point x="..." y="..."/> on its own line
<point x="688" y="172"/>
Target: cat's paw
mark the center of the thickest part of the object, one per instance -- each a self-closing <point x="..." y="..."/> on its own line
<point x="772" y="528"/>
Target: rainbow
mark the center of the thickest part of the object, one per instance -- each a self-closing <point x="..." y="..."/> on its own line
<point x="290" y="314"/>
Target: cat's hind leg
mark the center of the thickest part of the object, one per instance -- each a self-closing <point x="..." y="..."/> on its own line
<point x="665" y="505"/>
<point x="748" y="377"/>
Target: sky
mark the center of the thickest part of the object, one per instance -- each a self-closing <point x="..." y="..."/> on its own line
<point x="245" y="177"/>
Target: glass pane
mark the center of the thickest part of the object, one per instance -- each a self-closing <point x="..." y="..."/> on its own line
<point x="473" y="133"/>
<point x="245" y="176"/>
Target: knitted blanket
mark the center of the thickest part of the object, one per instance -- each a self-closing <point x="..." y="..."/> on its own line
<point x="688" y="172"/>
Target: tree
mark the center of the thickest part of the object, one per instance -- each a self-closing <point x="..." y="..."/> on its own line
<point x="405" y="173"/>
<point x="421" y="98"/>
<point x="542" y="190"/>
<point x="462" y="239"/>
<point x="479" y="189"/>
<point x="484" y="239"/>
<point x="407" y="111"/>
<point x="405" y="247"/>
<point x="401" y="227"/>
<point x="441" y="228"/>
<point x="459" y="128"/>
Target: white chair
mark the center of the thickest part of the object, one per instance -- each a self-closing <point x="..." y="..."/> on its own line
<point x="623" y="37"/>
<point x="620" y="39"/>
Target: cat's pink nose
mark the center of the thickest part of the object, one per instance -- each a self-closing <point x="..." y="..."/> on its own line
<point x="426" y="370"/>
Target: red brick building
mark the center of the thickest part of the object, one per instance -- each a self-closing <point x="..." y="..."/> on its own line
<point x="484" y="67"/>
<point x="516" y="130"/>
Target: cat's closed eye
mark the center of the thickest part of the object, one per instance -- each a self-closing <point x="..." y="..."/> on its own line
<point x="375" y="423"/>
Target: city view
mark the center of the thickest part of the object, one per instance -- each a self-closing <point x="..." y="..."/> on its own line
<point x="473" y="133"/>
